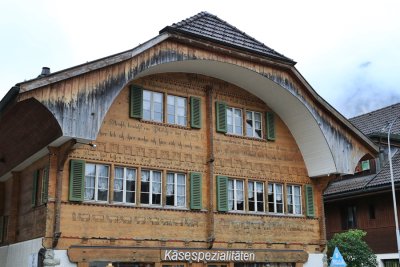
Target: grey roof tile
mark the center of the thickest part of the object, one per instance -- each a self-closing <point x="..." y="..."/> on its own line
<point x="347" y="184"/>
<point x="376" y="121"/>
<point x="381" y="179"/>
<point x="207" y="26"/>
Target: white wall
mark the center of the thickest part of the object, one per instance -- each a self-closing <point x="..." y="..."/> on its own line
<point x="18" y="254"/>
<point x="63" y="257"/>
<point x="314" y="260"/>
<point x="386" y="256"/>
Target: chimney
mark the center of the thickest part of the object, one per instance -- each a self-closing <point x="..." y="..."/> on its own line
<point x="45" y="72"/>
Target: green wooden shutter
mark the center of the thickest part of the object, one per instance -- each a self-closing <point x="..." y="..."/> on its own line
<point x="222" y="193"/>
<point x="270" y="125"/>
<point x="45" y="185"/>
<point x="76" y="180"/>
<point x="220" y="113"/>
<point x="136" y="102"/>
<point x="195" y="112"/>
<point x="309" y="201"/>
<point x="34" y="187"/>
<point x="195" y="191"/>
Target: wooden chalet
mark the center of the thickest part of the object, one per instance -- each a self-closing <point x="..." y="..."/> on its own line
<point x="364" y="200"/>
<point x="199" y="147"/>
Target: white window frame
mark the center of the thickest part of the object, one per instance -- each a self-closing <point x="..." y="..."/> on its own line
<point x="235" y="194"/>
<point x="256" y="200"/>
<point x="96" y="185"/>
<point x="231" y="120"/>
<point x="175" y="187"/>
<point x="176" y="108"/>
<point x="151" y="187"/>
<point x="274" y="202"/>
<point x="124" y="187"/>
<point x="253" y="132"/>
<point x="152" y="111"/>
<point x="292" y="197"/>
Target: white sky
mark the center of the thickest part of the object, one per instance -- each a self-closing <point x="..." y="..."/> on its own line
<point x="348" y="50"/>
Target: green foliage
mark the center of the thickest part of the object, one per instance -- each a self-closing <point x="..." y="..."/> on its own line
<point x="353" y="248"/>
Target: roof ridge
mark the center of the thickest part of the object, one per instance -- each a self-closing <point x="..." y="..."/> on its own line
<point x="376" y="110"/>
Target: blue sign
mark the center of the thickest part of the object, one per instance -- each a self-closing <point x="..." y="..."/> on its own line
<point x="337" y="259"/>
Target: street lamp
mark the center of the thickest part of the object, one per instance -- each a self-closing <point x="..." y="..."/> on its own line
<point x="393" y="189"/>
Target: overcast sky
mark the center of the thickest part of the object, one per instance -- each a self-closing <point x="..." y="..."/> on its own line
<point x="348" y="50"/>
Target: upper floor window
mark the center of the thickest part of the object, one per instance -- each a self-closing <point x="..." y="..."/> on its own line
<point x="275" y="198"/>
<point x="235" y="194"/>
<point x="96" y="182"/>
<point x="256" y="196"/>
<point x="294" y="199"/>
<point x="234" y="121"/>
<point x="40" y="187"/>
<point x="349" y="217"/>
<point x="150" y="187"/>
<point x="152" y="106"/>
<point x="176" y="109"/>
<point x="124" y="185"/>
<point x="176" y="189"/>
<point x="253" y="124"/>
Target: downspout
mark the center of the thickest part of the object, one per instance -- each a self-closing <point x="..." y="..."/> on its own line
<point x="62" y="156"/>
<point x="210" y="162"/>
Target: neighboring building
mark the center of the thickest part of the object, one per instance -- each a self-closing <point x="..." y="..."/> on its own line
<point x="364" y="200"/>
<point x="200" y="147"/>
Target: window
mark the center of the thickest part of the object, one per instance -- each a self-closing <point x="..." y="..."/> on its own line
<point x="235" y="194"/>
<point x="150" y="187"/>
<point x="256" y="196"/>
<point x="176" y="190"/>
<point x="3" y="228"/>
<point x="96" y="182"/>
<point x="40" y="187"/>
<point x="371" y="211"/>
<point x="294" y="199"/>
<point x="349" y="217"/>
<point x="124" y="185"/>
<point x="234" y="121"/>
<point x="152" y="106"/>
<point x="275" y="198"/>
<point x="176" y="110"/>
<point x="253" y="124"/>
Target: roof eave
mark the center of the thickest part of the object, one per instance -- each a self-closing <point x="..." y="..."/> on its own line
<point x="90" y="66"/>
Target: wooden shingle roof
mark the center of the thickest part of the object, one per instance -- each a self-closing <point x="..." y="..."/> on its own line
<point x="207" y="26"/>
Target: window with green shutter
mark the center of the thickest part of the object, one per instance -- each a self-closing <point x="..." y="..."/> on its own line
<point x="309" y="201"/>
<point x="35" y="187"/>
<point x="195" y="112"/>
<point x="76" y="180"/>
<point x="221" y="120"/>
<point x="222" y="193"/>
<point x="136" y="102"/>
<point x="195" y="191"/>
<point x="270" y="125"/>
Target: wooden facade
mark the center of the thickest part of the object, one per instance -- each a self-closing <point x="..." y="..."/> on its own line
<point x="195" y="189"/>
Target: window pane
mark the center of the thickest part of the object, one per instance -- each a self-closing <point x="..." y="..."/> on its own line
<point x="171" y="100"/>
<point x="118" y="196"/>
<point x="146" y="95"/>
<point x="157" y="97"/>
<point x="130" y="197"/>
